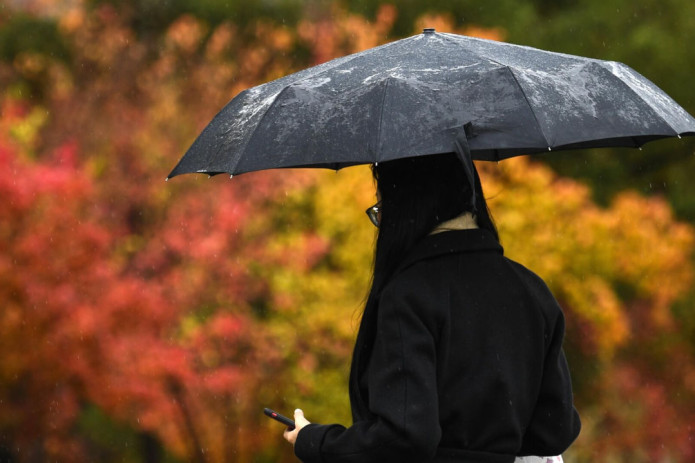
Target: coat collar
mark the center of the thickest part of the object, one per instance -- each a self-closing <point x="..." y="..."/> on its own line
<point x="452" y="242"/>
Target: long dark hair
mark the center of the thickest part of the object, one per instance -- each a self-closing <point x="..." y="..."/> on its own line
<point x="416" y="195"/>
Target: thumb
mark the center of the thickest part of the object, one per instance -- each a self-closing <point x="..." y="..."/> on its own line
<point x="299" y="417"/>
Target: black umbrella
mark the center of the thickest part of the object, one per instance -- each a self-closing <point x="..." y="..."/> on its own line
<point x="414" y="96"/>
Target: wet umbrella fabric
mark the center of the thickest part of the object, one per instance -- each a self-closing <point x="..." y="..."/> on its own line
<point x="412" y="97"/>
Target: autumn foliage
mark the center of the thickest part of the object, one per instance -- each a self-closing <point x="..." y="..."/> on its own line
<point x="151" y="321"/>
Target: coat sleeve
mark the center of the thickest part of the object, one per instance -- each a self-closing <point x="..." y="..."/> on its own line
<point x="402" y="395"/>
<point x="555" y="422"/>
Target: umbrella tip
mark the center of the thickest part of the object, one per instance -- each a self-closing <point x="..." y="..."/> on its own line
<point x="428" y="30"/>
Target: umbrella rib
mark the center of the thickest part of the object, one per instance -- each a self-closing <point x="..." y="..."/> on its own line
<point x="377" y="148"/>
<point x="309" y="75"/>
<point x="516" y="81"/>
<point x="446" y="36"/>
<point x="528" y="104"/>
<point x="347" y="59"/>
<point x="260" y="119"/>
<point x="641" y="98"/>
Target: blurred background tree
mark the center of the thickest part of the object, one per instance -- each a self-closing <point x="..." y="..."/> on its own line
<point x="145" y="321"/>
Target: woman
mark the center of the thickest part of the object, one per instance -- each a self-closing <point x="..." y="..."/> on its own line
<point x="459" y="353"/>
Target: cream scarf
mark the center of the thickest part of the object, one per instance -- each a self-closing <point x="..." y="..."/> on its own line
<point x="464" y="221"/>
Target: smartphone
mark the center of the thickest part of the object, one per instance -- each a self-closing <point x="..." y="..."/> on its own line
<point x="278" y="417"/>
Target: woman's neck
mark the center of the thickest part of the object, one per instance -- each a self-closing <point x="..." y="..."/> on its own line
<point x="464" y="221"/>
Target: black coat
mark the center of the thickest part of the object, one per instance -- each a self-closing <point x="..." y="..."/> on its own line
<point x="467" y="365"/>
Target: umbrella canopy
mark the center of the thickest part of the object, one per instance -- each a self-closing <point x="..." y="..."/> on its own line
<point x="413" y="96"/>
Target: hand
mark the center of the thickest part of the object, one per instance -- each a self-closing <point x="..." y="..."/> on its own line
<point x="299" y="423"/>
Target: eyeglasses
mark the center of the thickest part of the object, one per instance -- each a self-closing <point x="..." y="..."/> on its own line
<point x="374" y="214"/>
